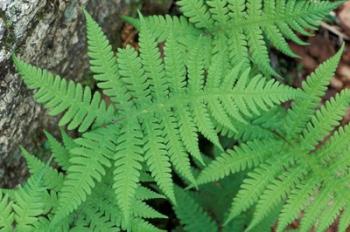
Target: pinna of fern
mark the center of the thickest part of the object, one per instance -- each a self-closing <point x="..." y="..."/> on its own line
<point x="301" y="171"/>
<point x="159" y="105"/>
<point x="31" y="207"/>
<point x="245" y="27"/>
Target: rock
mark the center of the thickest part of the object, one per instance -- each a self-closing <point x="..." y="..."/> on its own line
<point x="49" y="34"/>
<point x="344" y="17"/>
<point x="337" y="84"/>
<point x="344" y="71"/>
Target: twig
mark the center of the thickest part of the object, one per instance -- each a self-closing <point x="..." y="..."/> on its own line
<point x="335" y="31"/>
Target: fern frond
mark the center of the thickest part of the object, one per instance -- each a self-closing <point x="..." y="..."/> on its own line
<point x="127" y="165"/>
<point x="319" y="204"/>
<point x="248" y="25"/>
<point x="96" y="221"/>
<point x="103" y="204"/>
<point x="314" y="87"/>
<point x="87" y="167"/>
<point x="301" y="167"/>
<point x="344" y="220"/>
<point x="163" y="27"/>
<point x="68" y="142"/>
<point x="298" y="199"/>
<point x="59" y="152"/>
<point x="7" y="215"/>
<point x="197" y="12"/>
<point x="191" y="214"/>
<point x="143" y="193"/>
<point x="176" y="149"/>
<point x="28" y="205"/>
<point x="130" y="67"/>
<point x="157" y="159"/>
<point x="142" y="210"/>
<point x="140" y="225"/>
<point x="254" y="186"/>
<point x="325" y="119"/>
<point x="51" y="178"/>
<point x="275" y="194"/>
<point x="82" y="109"/>
<point x="103" y="62"/>
<point x="240" y="158"/>
<point x="328" y="216"/>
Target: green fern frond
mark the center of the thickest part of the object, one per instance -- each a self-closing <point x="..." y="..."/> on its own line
<point x="51" y="178"/>
<point x="68" y="141"/>
<point x="127" y="165"/>
<point x="59" y="152"/>
<point x="144" y="193"/>
<point x="103" y="63"/>
<point x="140" y="225"/>
<point x="87" y="167"/>
<point x="314" y="87"/>
<point x="344" y="220"/>
<point x="275" y="194"/>
<point x="294" y="161"/>
<point x="249" y="26"/>
<point x="6" y="216"/>
<point x="241" y="158"/>
<point x="42" y="204"/>
<point x="298" y="199"/>
<point x="191" y="214"/>
<point x="82" y="109"/>
<point x="101" y="207"/>
<point x="254" y="186"/>
<point x="329" y="215"/>
<point x="28" y="205"/>
<point x="142" y="210"/>
<point x="325" y="120"/>
<point x="197" y="12"/>
<point x="319" y="204"/>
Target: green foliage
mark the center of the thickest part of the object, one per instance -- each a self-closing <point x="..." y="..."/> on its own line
<point x="191" y="79"/>
<point x="301" y="172"/>
<point x="160" y="105"/>
<point x="245" y="28"/>
<point x="32" y="207"/>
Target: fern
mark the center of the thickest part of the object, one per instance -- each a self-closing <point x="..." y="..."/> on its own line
<point x="7" y="216"/>
<point x="80" y="106"/>
<point x="32" y="206"/>
<point x="191" y="214"/>
<point x="204" y="210"/>
<point x="191" y="78"/>
<point x="292" y="171"/>
<point x="245" y="28"/>
<point x="156" y="117"/>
